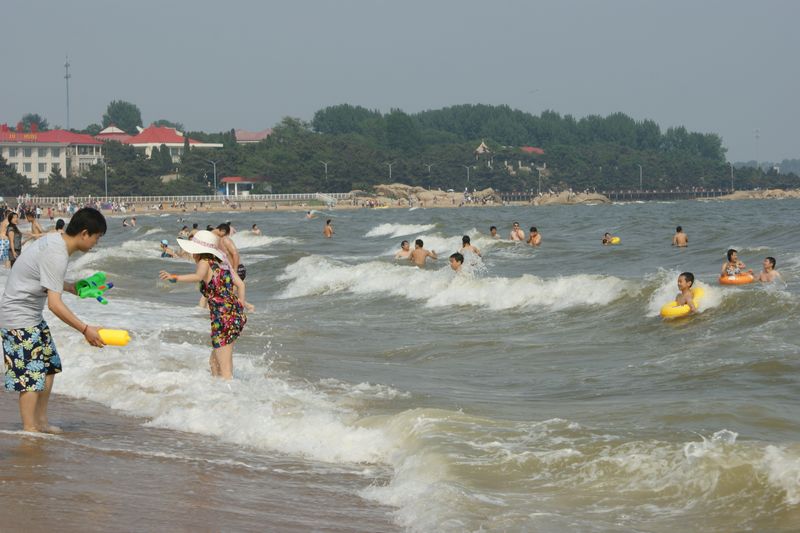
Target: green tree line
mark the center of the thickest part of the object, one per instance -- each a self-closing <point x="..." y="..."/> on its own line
<point x="360" y="148"/>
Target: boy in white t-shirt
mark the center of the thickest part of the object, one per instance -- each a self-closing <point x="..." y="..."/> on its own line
<point x="37" y="277"/>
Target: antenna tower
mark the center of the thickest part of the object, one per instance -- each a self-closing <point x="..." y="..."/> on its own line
<point x="67" y="76"/>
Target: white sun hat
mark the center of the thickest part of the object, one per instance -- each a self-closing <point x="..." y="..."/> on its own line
<point x="203" y="242"/>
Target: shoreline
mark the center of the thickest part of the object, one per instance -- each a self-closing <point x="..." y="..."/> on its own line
<point x="109" y="471"/>
<point x="437" y="200"/>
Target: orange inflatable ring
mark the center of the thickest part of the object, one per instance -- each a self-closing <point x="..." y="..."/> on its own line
<point x="736" y="279"/>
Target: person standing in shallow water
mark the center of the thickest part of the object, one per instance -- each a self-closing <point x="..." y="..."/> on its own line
<point x="226" y="308"/>
<point x="31" y="357"/>
<point x="680" y="239"/>
<point x="420" y="254"/>
<point x="327" y="231"/>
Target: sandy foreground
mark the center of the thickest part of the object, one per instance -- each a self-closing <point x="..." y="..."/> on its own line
<point x="108" y="472"/>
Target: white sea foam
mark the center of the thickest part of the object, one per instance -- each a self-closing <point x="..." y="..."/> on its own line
<point x="246" y="239"/>
<point x="439" y="288"/>
<point x="398" y="230"/>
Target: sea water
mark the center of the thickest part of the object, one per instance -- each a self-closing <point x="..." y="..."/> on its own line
<point x="538" y="390"/>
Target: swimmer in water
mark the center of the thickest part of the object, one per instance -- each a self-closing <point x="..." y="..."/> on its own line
<point x="327" y="231"/>
<point x="255" y="230"/>
<point x="310" y="215"/>
<point x="535" y="238"/>
<point x="166" y="251"/>
<point x="685" y="297"/>
<point x="420" y="254"/>
<point x="516" y="233"/>
<point x="404" y="252"/>
<point x="769" y="274"/>
<point x="466" y="246"/>
<point x="733" y="266"/>
<point x="456" y="261"/>
<point x="680" y="239"/>
<point x="493" y="232"/>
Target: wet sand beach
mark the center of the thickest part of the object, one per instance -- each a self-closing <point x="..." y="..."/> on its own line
<point x="108" y="472"/>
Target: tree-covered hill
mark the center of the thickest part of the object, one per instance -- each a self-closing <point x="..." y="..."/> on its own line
<point x="347" y="147"/>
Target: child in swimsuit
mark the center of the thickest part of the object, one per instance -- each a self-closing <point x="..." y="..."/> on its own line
<point x="217" y="283"/>
<point x="733" y="266"/>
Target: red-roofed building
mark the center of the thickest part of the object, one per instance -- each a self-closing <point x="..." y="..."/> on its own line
<point x="532" y="150"/>
<point x="37" y="153"/>
<point x="112" y="133"/>
<point x="250" y="137"/>
<point x="154" y="136"/>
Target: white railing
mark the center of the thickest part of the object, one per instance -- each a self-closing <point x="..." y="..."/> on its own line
<point x="190" y="199"/>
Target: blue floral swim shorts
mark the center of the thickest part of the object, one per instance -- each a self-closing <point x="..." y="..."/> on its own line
<point x="30" y="355"/>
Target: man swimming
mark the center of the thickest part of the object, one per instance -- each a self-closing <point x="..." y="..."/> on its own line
<point x="516" y="233"/>
<point x="535" y="238"/>
<point x="493" y="232"/>
<point x="420" y="254"/>
<point x="327" y="231"/>
<point x="466" y="246"/>
<point x="680" y="239"/>
<point x="404" y="252"/>
<point x="769" y="274"/>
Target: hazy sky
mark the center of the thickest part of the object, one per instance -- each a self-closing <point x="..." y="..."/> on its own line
<point x="727" y="66"/>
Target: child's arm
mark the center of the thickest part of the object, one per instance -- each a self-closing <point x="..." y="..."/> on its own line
<point x="690" y="302"/>
<point x="240" y="290"/>
<point x="199" y="274"/>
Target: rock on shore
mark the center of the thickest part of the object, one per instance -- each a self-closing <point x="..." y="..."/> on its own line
<point x="400" y="194"/>
<point x="766" y="194"/>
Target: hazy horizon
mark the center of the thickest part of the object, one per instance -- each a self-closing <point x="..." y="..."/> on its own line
<point x="715" y="67"/>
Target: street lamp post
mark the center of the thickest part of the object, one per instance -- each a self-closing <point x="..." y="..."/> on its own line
<point x="731" y="165"/>
<point x="640" y="178"/>
<point x="326" y="169"/>
<point x="390" y="170"/>
<point x="215" y="173"/>
<point x="467" y="167"/>
<point x="539" y="185"/>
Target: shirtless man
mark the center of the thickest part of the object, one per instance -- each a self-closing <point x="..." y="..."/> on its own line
<point x="769" y="274"/>
<point x="516" y="233"/>
<point x="680" y="239"/>
<point x="420" y="254"/>
<point x="36" y="229"/>
<point x="194" y="230"/>
<point x="493" y="232"/>
<point x="404" y="252"/>
<point x="535" y="238"/>
<point x="255" y="230"/>
<point x="327" y="231"/>
<point x="466" y="246"/>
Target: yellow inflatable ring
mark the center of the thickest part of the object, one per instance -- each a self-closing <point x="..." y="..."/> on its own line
<point x="615" y="240"/>
<point x="673" y="310"/>
<point x="736" y="279"/>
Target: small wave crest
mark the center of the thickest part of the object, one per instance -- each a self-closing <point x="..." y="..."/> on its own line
<point x="398" y="230"/>
<point x="246" y="239"/>
<point x="438" y="288"/>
